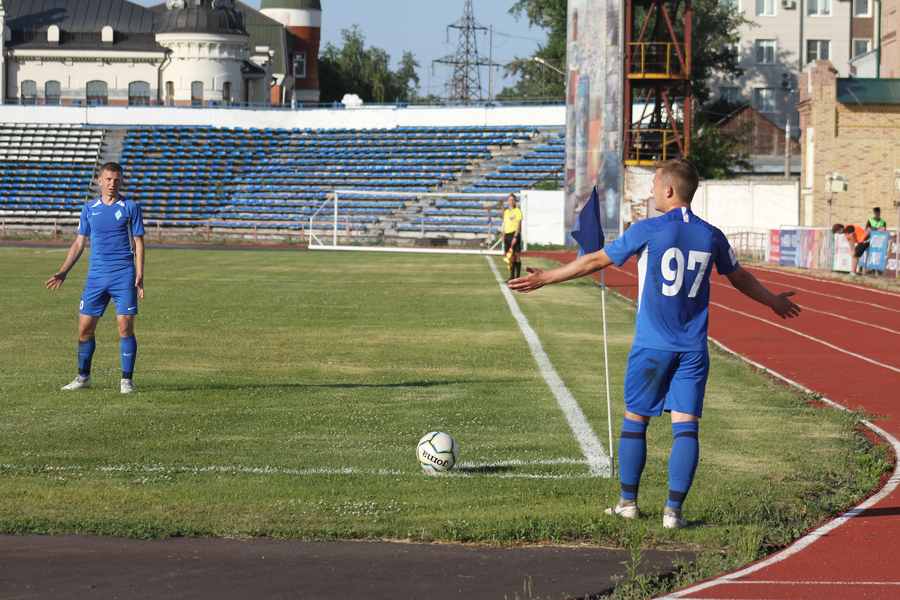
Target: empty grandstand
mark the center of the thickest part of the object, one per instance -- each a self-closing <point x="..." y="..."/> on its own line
<point x="265" y="182"/>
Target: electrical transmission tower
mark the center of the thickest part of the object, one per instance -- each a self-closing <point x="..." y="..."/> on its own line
<point x="465" y="86"/>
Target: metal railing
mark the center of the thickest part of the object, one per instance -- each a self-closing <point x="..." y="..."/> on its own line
<point x="656" y="60"/>
<point x="651" y="145"/>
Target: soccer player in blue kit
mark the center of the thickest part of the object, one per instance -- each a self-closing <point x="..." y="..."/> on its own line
<point x="669" y="361"/>
<point x="116" y="272"/>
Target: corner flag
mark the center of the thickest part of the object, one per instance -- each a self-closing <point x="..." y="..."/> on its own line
<point x="588" y="232"/>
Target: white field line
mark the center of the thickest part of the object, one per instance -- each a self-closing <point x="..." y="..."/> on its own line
<point x="828" y="281"/>
<point x="824" y="530"/>
<point x="796" y="332"/>
<point x="825" y="312"/>
<point x="157" y="469"/>
<point x="809" y="337"/>
<point x="598" y="460"/>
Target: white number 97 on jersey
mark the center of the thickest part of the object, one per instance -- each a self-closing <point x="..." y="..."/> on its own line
<point x="696" y="261"/>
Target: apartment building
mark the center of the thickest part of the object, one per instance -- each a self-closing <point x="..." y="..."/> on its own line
<point x="890" y="45"/>
<point x="786" y="35"/>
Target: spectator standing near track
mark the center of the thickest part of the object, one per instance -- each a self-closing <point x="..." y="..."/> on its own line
<point x="116" y="272"/>
<point x="512" y="236"/>
<point x="858" y="238"/>
<point x="875" y="222"/>
<point x="669" y="360"/>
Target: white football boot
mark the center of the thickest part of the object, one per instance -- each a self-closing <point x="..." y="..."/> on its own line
<point x="627" y="509"/>
<point x="126" y="386"/>
<point x="672" y="519"/>
<point x="78" y="383"/>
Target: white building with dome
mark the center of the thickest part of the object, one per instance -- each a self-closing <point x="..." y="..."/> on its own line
<point x="177" y="53"/>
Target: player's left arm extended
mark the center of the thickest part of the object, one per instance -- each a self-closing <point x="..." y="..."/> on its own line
<point x="139" y="265"/>
<point x="746" y="283"/>
<point x="584" y="265"/>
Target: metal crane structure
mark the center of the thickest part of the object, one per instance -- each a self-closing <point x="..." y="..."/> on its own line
<point x="465" y="85"/>
<point x="657" y="100"/>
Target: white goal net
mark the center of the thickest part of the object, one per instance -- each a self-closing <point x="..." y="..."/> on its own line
<point x="408" y="221"/>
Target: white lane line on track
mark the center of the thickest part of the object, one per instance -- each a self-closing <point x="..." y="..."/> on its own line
<point x="809" y="337"/>
<point x="776" y="582"/>
<point x="824" y="312"/>
<point x="833" y="296"/>
<point x="794" y="331"/>
<point x="138" y="469"/>
<point x="826" y="281"/>
<point x="825" y="529"/>
<point x="597" y="458"/>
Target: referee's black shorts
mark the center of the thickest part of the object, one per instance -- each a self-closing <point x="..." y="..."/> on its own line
<point x="508" y="242"/>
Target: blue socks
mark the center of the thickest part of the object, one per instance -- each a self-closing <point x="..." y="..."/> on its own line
<point x="632" y="457"/>
<point x="85" y="355"/>
<point x="128" y="353"/>
<point x="683" y="461"/>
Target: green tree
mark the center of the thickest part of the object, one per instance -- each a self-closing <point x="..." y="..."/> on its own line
<point x="536" y="81"/>
<point x="351" y="68"/>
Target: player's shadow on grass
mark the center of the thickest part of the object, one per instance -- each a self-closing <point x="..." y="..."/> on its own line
<point x="312" y="386"/>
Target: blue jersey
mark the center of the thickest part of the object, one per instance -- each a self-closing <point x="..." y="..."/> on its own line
<point x="110" y="228"/>
<point x="676" y="252"/>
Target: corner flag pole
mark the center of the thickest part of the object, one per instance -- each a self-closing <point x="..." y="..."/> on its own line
<point x="612" y="462"/>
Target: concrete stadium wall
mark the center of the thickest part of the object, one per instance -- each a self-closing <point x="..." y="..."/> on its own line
<point x="747" y="205"/>
<point x="544" y="220"/>
<point x="375" y="117"/>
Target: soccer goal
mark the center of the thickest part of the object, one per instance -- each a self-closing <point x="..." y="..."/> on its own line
<point x="409" y="221"/>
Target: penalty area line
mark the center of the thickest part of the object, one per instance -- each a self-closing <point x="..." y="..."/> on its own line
<point x="597" y="459"/>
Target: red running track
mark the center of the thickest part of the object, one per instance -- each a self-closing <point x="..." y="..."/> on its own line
<point x="845" y="346"/>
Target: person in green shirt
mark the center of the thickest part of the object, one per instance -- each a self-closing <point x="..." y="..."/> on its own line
<point x="875" y="222"/>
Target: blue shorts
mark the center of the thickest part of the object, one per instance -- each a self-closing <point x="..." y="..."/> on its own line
<point x="658" y="380"/>
<point x="100" y="287"/>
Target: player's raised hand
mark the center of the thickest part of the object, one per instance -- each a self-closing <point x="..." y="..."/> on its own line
<point x="139" y="284"/>
<point x="784" y="307"/>
<point x="55" y="282"/>
<point x="531" y="282"/>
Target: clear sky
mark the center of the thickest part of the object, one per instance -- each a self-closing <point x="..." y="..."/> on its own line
<point x="421" y="27"/>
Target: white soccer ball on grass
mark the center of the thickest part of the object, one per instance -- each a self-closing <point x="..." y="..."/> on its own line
<point x="437" y="452"/>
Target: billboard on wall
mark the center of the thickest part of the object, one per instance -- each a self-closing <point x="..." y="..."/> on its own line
<point x="594" y="110"/>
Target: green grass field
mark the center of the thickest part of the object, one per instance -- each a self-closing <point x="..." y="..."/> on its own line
<point x="281" y="393"/>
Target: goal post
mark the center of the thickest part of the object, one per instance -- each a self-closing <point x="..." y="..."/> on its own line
<point x="409" y="221"/>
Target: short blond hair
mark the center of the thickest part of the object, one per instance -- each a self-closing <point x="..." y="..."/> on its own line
<point x="682" y="176"/>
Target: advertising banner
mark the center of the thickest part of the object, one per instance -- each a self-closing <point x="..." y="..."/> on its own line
<point x="842" y="253"/>
<point x="774" y="246"/>
<point x="789" y="247"/>
<point x="877" y="254"/>
<point x="593" y="110"/>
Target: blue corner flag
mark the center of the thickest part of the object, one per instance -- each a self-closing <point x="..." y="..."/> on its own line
<point x="588" y="232"/>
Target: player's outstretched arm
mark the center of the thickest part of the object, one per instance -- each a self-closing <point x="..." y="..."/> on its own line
<point x="538" y="278"/>
<point x="75" y="250"/>
<point x="746" y="283"/>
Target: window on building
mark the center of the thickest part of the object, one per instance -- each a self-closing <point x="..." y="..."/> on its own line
<point x="52" y="92"/>
<point x="765" y="52"/>
<point x="196" y="93"/>
<point x="765" y="8"/>
<point x="170" y="93"/>
<point x="28" y="94"/>
<point x="226" y="92"/>
<point x="97" y="93"/>
<point x="861" y="46"/>
<point x="861" y="8"/>
<point x="817" y="50"/>
<point x="300" y="65"/>
<point x="819" y="8"/>
<point x="764" y="100"/>
<point x="730" y="94"/>
<point x="138" y="93"/>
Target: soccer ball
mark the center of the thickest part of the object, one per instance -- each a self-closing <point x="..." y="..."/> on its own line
<point x="437" y="452"/>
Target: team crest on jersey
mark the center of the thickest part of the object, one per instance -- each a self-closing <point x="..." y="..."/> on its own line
<point x="118" y="215"/>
